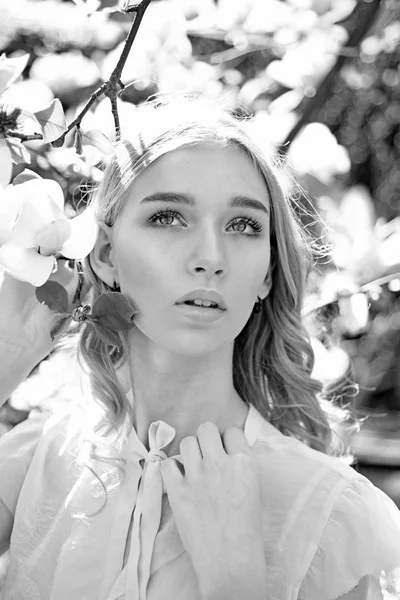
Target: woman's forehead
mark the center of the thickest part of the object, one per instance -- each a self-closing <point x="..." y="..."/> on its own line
<point x="200" y="169"/>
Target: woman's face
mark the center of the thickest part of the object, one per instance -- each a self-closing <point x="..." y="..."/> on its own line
<point x="163" y="247"/>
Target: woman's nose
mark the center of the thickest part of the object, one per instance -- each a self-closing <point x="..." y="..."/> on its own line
<point x="208" y="253"/>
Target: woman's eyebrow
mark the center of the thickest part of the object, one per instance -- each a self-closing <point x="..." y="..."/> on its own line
<point x="179" y="198"/>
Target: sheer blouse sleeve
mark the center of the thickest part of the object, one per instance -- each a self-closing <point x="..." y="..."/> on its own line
<point x="17" y="448"/>
<point x="359" y="548"/>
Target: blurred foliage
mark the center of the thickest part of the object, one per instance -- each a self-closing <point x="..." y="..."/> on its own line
<point x="363" y="112"/>
<point x="328" y="67"/>
<point x="267" y="54"/>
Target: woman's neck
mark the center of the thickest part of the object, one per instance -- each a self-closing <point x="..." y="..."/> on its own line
<point x="184" y="392"/>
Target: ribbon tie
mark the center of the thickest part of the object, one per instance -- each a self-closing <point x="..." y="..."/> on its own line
<point x="134" y="577"/>
<point x="155" y="455"/>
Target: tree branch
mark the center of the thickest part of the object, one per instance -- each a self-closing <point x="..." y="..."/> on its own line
<point x="113" y="85"/>
<point x="235" y="55"/>
<point x="139" y="10"/>
<point x="23" y="137"/>
<point x="114" y="110"/>
<point x="60" y="141"/>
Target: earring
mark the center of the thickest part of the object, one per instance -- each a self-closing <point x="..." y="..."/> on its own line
<point x="115" y="287"/>
<point x="258" y="305"/>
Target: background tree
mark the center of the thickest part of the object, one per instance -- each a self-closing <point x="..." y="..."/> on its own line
<point x="322" y="80"/>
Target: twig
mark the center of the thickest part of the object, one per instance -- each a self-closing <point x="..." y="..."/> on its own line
<point x="113" y="85"/>
<point x="362" y="289"/>
<point x="114" y="110"/>
<point x="233" y="54"/>
<point x="220" y="35"/>
<point x="23" y="137"/>
<point x="60" y="141"/>
<point x="381" y="281"/>
<point x="139" y="10"/>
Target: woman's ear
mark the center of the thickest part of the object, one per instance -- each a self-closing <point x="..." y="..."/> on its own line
<point x="266" y="285"/>
<point x="101" y="257"/>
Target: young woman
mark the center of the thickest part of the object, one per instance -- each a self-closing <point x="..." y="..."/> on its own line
<point x="198" y="464"/>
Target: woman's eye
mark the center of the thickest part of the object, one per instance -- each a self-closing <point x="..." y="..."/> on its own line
<point x="164" y="214"/>
<point x="161" y="216"/>
<point x="244" y="222"/>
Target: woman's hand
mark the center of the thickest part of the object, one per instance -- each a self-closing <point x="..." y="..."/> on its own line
<point x="217" y="509"/>
<point x="23" y="317"/>
<point x="25" y="326"/>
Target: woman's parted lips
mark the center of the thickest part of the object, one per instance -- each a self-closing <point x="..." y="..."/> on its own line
<point x="204" y="294"/>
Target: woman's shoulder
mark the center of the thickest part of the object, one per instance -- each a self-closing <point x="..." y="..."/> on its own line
<point x="360" y="539"/>
<point x="20" y="443"/>
<point x="41" y="426"/>
<point x="43" y="438"/>
<point x="18" y="449"/>
<point x="292" y="460"/>
<point x="328" y="525"/>
<point x="312" y="483"/>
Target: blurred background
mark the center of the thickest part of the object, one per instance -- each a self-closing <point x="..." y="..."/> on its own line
<point x="322" y="78"/>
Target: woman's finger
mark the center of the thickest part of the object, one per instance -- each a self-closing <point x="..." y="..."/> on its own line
<point x="190" y="453"/>
<point x="171" y="475"/>
<point x="210" y="440"/>
<point x="235" y="441"/>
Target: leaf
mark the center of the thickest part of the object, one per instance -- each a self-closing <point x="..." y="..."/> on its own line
<point x="11" y="69"/>
<point x="5" y="164"/>
<point x="128" y="5"/>
<point x="53" y="295"/>
<point x="115" y="311"/>
<point x="99" y="140"/>
<point x="106" y="334"/>
<point x="30" y="124"/>
<point x="25" y="176"/>
<point x="19" y="154"/>
<point x="52" y="121"/>
<point x="78" y="141"/>
<point x="59" y="326"/>
<point x="58" y="143"/>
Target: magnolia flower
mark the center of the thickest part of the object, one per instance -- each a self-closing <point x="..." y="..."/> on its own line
<point x="34" y="229"/>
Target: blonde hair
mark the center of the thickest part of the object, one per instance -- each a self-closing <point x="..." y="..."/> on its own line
<point x="273" y="358"/>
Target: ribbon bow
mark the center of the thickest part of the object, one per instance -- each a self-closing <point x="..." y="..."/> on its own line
<point x="134" y="577"/>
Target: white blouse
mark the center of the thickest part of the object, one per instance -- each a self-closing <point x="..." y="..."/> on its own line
<point x="326" y="527"/>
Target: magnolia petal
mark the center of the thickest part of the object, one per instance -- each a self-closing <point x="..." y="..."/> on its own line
<point x="10" y="205"/>
<point x="26" y="264"/>
<point x="40" y="208"/>
<point x="84" y="231"/>
<point x="26" y="175"/>
<point x="11" y="69"/>
<point x="29" y="224"/>
<point x="6" y="230"/>
<point x="43" y="190"/>
<point x="52" y="120"/>
<point x="99" y="140"/>
<point x="53" y="236"/>
<point x="5" y="164"/>
<point x="19" y="152"/>
<point x="43" y="201"/>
